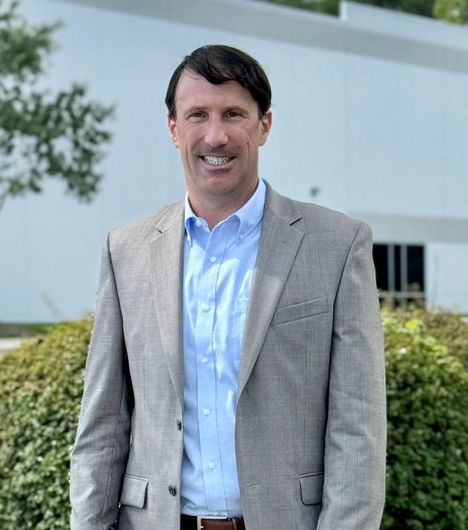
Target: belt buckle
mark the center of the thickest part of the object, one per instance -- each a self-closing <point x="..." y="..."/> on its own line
<point x="200" y="517"/>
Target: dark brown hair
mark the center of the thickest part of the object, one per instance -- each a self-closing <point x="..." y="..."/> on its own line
<point x="218" y="64"/>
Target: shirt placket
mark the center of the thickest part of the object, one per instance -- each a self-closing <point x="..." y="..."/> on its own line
<point x="206" y="371"/>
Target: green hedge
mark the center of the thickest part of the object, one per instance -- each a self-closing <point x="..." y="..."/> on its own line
<point x="448" y="328"/>
<point x="427" y="384"/>
<point x="427" y="395"/>
<point x="40" y="390"/>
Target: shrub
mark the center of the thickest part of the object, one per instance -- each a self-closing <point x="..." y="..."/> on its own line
<point x="448" y="328"/>
<point x="427" y="392"/>
<point x="40" y="391"/>
<point x="427" y="386"/>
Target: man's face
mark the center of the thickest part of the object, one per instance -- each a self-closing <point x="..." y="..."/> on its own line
<point x="218" y="131"/>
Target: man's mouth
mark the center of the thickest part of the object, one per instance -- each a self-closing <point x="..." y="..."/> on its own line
<point x="216" y="160"/>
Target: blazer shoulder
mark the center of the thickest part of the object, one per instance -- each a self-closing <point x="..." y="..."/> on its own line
<point x="336" y="228"/>
<point x="148" y="226"/>
<point x="311" y="217"/>
<point x="326" y="215"/>
<point x="330" y="220"/>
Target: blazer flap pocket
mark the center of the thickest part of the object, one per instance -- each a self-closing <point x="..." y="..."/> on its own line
<point x="302" y="310"/>
<point x="133" y="491"/>
<point x="311" y="488"/>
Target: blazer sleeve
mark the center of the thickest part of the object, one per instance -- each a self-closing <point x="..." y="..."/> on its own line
<point x="355" y="442"/>
<point x="101" y="447"/>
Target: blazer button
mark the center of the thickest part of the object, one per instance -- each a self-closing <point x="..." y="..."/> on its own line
<point x="172" y="490"/>
<point x="179" y="425"/>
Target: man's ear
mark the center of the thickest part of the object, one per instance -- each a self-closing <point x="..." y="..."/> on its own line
<point x="265" y="127"/>
<point x="173" y="131"/>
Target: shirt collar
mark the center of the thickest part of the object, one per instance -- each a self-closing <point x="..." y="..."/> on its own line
<point x="248" y="216"/>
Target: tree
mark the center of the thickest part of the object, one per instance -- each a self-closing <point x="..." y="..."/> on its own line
<point x="42" y="134"/>
<point x="330" y="7"/>
<point x="416" y="7"/>
<point x="449" y="10"/>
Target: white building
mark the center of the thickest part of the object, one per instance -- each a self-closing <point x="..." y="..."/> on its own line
<point x="370" y="118"/>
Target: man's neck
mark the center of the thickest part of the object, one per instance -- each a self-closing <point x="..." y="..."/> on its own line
<point x="213" y="212"/>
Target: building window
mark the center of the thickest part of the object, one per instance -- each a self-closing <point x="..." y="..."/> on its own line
<point x="400" y="273"/>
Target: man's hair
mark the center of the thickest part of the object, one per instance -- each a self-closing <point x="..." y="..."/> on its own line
<point x="218" y="64"/>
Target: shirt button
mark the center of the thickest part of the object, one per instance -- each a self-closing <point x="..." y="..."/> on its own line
<point x="211" y="465"/>
<point x="204" y="360"/>
<point x="241" y="236"/>
<point x="198" y="222"/>
<point x="205" y="307"/>
<point x="206" y="412"/>
<point x="213" y="259"/>
<point x="172" y="490"/>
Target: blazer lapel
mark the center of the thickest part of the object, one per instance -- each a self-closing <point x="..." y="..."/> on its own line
<point x="278" y="247"/>
<point x="166" y="262"/>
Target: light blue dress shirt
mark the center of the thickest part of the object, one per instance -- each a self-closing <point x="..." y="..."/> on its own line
<point x="218" y="271"/>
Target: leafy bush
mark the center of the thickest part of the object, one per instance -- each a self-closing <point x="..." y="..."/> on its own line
<point x="40" y="391"/>
<point x="427" y="386"/>
<point x="427" y="391"/>
<point x="448" y="328"/>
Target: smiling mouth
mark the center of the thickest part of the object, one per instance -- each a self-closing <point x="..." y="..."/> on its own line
<point x="216" y="160"/>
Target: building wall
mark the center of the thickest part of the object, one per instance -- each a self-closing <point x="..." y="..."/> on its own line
<point x="446" y="275"/>
<point x="370" y="111"/>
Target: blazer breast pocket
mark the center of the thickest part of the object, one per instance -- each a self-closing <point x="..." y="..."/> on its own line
<point x="300" y="311"/>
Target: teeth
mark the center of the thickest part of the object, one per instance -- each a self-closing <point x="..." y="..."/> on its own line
<point x="216" y="160"/>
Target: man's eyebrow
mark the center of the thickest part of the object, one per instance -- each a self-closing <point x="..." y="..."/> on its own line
<point x="202" y="108"/>
<point x="237" y="108"/>
<point x="195" y="108"/>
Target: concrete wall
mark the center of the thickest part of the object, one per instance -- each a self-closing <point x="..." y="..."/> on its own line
<point x="370" y="109"/>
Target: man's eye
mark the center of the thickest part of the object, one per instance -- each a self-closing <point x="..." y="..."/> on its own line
<point x="197" y="114"/>
<point x="232" y="114"/>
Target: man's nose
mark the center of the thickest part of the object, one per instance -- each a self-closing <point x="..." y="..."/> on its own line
<point x="215" y="134"/>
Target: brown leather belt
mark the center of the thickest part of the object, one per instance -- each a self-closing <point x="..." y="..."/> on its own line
<point x="191" y="522"/>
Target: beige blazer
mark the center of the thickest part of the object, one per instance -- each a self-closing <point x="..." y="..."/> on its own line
<point x="310" y="423"/>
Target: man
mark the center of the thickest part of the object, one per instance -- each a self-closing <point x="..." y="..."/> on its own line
<point x="235" y="376"/>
